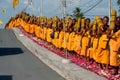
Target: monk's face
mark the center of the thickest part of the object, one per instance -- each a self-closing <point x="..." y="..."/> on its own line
<point x="118" y="21"/>
<point x="105" y="21"/>
<point x="87" y="22"/>
<point x="73" y="21"/>
<point x="75" y="29"/>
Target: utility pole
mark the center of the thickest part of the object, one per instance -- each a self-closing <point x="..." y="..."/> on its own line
<point x="63" y="7"/>
<point x="64" y="14"/>
<point x="110" y="7"/>
<point x="41" y="8"/>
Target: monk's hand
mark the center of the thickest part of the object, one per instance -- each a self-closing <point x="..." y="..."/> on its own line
<point x="119" y="55"/>
<point x="115" y="39"/>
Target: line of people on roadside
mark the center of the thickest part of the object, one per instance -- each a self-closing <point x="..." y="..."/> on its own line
<point x="91" y="40"/>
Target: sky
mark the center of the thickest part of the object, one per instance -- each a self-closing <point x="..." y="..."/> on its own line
<point x="52" y="8"/>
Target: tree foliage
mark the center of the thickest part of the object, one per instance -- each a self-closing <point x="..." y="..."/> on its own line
<point x="118" y="2"/>
<point x="77" y="13"/>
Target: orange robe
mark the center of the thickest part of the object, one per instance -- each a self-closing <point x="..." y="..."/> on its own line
<point x="85" y="41"/>
<point x="70" y="45"/>
<point x="49" y="31"/>
<point x="32" y="29"/>
<point x="41" y="32"/>
<point x="65" y="40"/>
<point x="18" y="22"/>
<point x="60" y="39"/>
<point x="44" y="33"/>
<point x="10" y="24"/>
<point x="94" y="48"/>
<point x="114" y="46"/>
<point x="102" y="54"/>
<point x="37" y="31"/>
<point x="13" y="23"/>
<point x="27" y="27"/>
<point x="23" y="24"/>
<point x="89" y="51"/>
<point x="55" y="40"/>
<point x="77" y="47"/>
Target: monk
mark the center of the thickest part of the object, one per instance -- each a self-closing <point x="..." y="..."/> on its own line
<point x="44" y="30"/>
<point x="105" y="22"/>
<point x="27" y="25"/>
<point x="65" y="37"/>
<point x="77" y="40"/>
<point x="37" y="31"/>
<point x="102" y="53"/>
<point x="61" y="36"/>
<point x="94" y="46"/>
<point x="85" y="39"/>
<point x="49" y="31"/>
<point x="114" y="48"/>
<point x="72" y="30"/>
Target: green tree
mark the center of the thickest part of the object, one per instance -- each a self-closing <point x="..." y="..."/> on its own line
<point x="77" y="13"/>
<point x="118" y="2"/>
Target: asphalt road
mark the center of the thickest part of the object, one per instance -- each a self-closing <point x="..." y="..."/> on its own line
<point x="17" y="63"/>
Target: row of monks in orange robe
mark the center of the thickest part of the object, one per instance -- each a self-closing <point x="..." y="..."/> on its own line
<point x="80" y="36"/>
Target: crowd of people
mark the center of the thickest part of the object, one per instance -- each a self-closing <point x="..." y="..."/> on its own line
<point x="96" y="40"/>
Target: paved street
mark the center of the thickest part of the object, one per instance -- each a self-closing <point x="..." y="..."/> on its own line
<point x="17" y="63"/>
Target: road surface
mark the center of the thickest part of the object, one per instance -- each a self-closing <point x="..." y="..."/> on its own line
<point x="17" y="63"/>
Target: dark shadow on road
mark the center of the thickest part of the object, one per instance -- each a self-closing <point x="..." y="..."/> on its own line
<point x="10" y="51"/>
<point x="5" y="77"/>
